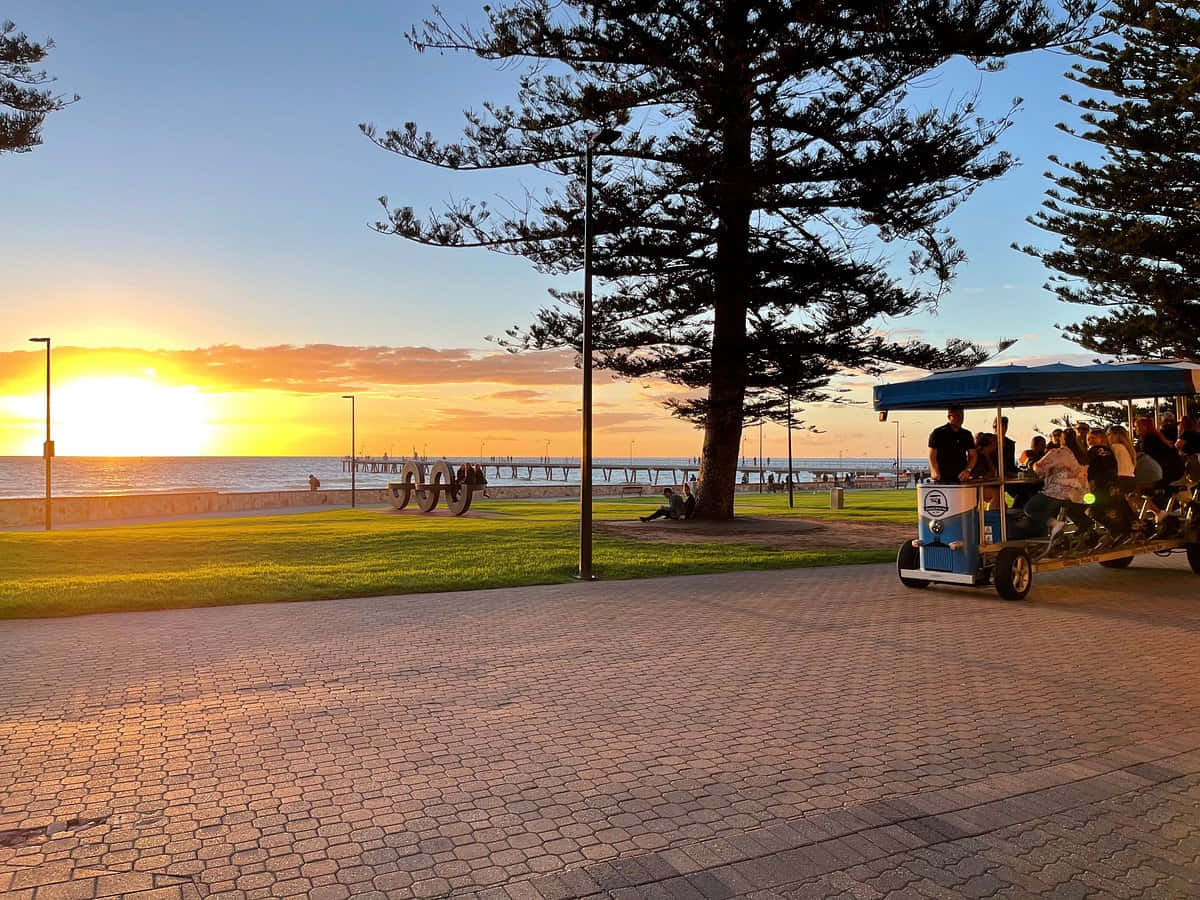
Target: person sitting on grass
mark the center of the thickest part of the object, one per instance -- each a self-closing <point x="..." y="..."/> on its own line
<point x="689" y="501"/>
<point x="672" y="510"/>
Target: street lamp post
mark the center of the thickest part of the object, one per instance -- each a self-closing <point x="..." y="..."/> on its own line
<point x="603" y="136"/>
<point x="48" y="446"/>
<point x="899" y="458"/>
<point x="791" y="478"/>
<point x="353" y="460"/>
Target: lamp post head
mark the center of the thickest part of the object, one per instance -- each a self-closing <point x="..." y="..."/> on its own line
<point x="347" y="396"/>
<point x="45" y="340"/>
<point x="603" y="137"/>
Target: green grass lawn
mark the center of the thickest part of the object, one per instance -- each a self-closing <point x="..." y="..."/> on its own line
<point x="369" y="552"/>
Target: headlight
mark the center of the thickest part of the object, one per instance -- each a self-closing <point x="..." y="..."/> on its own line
<point x="936" y="526"/>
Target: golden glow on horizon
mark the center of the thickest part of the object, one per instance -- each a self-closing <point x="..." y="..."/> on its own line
<point x="119" y="415"/>
<point x="131" y="402"/>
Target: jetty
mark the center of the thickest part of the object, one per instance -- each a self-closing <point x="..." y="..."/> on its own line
<point x="551" y="470"/>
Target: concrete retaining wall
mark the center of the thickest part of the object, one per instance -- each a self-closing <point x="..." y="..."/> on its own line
<point x="68" y="510"/>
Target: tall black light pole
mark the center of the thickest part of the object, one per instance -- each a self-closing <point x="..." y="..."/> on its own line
<point x="353" y="460"/>
<point x="791" y="479"/>
<point x="602" y="137"/>
<point x="48" y="446"/>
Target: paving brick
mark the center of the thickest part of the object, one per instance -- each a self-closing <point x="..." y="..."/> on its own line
<point x="729" y="720"/>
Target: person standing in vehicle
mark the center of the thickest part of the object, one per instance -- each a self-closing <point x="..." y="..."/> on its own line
<point x="951" y="450"/>
<point x="1010" y="447"/>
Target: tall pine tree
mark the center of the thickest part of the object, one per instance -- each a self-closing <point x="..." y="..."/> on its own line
<point x="23" y="91"/>
<point x="770" y="151"/>
<point x="1131" y="224"/>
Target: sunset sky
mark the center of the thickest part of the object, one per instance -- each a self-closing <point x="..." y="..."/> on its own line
<point x="193" y="236"/>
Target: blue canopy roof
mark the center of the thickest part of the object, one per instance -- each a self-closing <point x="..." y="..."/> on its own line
<point x="992" y="386"/>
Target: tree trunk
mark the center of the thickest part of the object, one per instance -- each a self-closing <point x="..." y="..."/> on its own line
<point x="727" y="391"/>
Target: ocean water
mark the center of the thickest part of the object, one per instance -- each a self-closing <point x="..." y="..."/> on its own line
<point x="23" y="476"/>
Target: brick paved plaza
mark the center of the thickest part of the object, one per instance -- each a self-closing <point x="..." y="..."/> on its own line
<point x="794" y="734"/>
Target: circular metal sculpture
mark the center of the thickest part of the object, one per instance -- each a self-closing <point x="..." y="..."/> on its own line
<point x="412" y="484"/>
<point x="411" y="475"/>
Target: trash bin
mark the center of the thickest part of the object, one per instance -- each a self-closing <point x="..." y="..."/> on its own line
<point x="837" y="498"/>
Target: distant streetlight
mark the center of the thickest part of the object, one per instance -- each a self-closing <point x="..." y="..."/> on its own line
<point x="760" y="456"/>
<point x="547" y="450"/>
<point x="48" y="446"/>
<point x="603" y="137"/>
<point x="631" y="443"/>
<point x="353" y="460"/>
<point x="481" y="446"/>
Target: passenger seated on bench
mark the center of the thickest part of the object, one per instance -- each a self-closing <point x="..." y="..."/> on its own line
<point x="1064" y="481"/>
<point x="1037" y="449"/>
<point x="1153" y="444"/>
<point x="1110" y="508"/>
<point x="1189" y="437"/>
<point x="1125" y="455"/>
<point x="689" y="501"/>
<point x="672" y="510"/>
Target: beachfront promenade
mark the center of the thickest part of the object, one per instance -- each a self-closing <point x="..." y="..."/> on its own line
<point x="790" y="733"/>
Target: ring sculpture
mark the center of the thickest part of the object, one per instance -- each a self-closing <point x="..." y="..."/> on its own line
<point x="412" y="484"/>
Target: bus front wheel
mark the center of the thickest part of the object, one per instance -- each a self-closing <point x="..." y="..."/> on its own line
<point x="909" y="557"/>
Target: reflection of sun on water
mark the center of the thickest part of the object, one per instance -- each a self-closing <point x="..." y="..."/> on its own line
<point x="128" y="416"/>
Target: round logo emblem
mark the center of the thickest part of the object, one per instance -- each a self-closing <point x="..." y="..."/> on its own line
<point x="936" y="504"/>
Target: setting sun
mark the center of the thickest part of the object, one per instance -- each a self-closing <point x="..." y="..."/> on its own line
<point x="130" y="416"/>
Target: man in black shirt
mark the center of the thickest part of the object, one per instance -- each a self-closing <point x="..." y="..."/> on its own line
<point x="951" y="449"/>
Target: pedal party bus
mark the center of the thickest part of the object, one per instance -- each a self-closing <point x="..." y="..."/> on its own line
<point x="960" y="542"/>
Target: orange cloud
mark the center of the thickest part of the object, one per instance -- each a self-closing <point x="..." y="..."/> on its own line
<point x="512" y="395"/>
<point x="308" y="369"/>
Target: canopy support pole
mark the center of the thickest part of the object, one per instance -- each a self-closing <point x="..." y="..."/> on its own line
<point x="1000" y="435"/>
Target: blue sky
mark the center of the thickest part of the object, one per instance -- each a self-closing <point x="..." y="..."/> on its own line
<point x="211" y="186"/>
<point x="214" y="166"/>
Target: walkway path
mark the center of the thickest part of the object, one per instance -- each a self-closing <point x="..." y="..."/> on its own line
<point x="803" y="733"/>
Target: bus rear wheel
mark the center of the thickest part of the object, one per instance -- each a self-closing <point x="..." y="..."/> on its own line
<point x="1014" y="574"/>
<point x="1193" y="555"/>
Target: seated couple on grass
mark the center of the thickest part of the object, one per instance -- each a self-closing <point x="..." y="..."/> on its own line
<point x="678" y="506"/>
